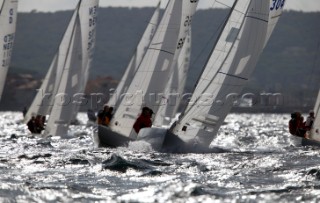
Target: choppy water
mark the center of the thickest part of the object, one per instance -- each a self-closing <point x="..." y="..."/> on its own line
<point x="253" y="160"/>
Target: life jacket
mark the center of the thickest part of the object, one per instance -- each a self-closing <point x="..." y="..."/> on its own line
<point x="106" y="121"/>
<point x="103" y="120"/>
<point x="142" y="122"/>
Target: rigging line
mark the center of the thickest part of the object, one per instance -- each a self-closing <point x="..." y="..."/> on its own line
<point x="227" y="6"/>
<point x="62" y="37"/>
<point x="169" y="8"/>
<point x="213" y="35"/>
<point x="219" y="2"/>
<point x="56" y="56"/>
<point x="210" y="39"/>
<point x="230" y="50"/>
<point x="133" y="72"/>
<point x="148" y="23"/>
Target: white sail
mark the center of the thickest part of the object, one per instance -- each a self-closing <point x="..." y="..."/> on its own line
<point x="136" y="59"/>
<point x="156" y="66"/>
<point x="231" y="63"/>
<point x="75" y="71"/>
<point x="174" y="90"/>
<point x="85" y="72"/>
<point x="8" y="20"/>
<point x="315" y="130"/>
<point x="44" y="99"/>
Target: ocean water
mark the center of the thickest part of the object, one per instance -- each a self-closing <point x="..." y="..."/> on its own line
<point x="253" y="159"/>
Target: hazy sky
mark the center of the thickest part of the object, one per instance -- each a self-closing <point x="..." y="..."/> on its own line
<point x="54" y="5"/>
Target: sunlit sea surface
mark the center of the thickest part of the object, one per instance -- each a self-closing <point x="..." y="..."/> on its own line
<point x="253" y="159"/>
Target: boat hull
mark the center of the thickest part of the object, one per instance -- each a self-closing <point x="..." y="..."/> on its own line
<point x="105" y="137"/>
<point x="160" y="139"/>
<point x="165" y="141"/>
<point x="309" y="142"/>
<point x="304" y="141"/>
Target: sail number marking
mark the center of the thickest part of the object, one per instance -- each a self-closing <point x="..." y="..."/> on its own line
<point x="11" y="13"/>
<point x="193" y="1"/>
<point x="93" y="16"/>
<point x="93" y="12"/>
<point x="7" y="49"/>
<point x="188" y="21"/>
<point x="181" y="43"/>
<point x="276" y="4"/>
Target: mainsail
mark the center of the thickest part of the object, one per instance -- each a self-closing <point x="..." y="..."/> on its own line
<point x="77" y="62"/>
<point x="156" y="66"/>
<point x="315" y="130"/>
<point x="136" y="59"/>
<point x="227" y="70"/>
<point x="174" y="90"/>
<point x="8" y="19"/>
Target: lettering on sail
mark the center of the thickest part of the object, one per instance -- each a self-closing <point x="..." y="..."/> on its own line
<point x="7" y="42"/>
<point x="93" y="13"/>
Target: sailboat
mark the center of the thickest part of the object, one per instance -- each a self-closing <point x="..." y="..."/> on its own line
<point x="232" y="60"/>
<point x="8" y="20"/>
<point x="62" y="89"/>
<point x="313" y="136"/>
<point x="136" y="59"/>
<point x="315" y="130"/>
<point x="152" y="74"/>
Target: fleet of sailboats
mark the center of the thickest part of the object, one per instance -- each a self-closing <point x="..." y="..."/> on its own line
<point x="153" y="73"/>
<point x="156" y="74"/>
<point x="232" y="60"/>
<point x="62" y="89"/>
<point x="8" y="20"/>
